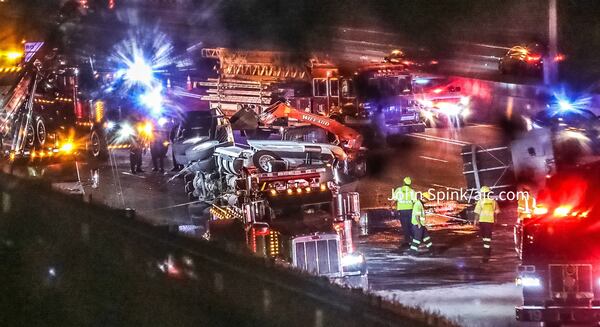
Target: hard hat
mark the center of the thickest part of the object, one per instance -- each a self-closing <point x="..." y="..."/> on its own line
<point x="428" y="195"/>
<point x="485" y="189"/>
<point x="407" y="180"/>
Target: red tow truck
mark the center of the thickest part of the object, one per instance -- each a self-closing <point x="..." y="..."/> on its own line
<point x="560" y="269"/>
<point x="43" y="116"/>
<point x="298" y="218"/>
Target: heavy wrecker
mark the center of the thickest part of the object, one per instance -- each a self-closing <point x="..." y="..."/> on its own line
<point x="297" y="218"/>
<point x="43" y="118"/>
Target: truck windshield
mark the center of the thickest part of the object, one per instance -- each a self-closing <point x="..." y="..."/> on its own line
<point x="562" y="239"/>
<point x="196" y="123"/>
<point x="391" y="85"/>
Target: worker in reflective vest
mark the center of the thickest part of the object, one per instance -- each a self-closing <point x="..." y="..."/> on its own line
<point x="404" y="197"/>
<point x="525" y="205"/>
<point x="420" y="234"/>
<point x="486" y="210"/>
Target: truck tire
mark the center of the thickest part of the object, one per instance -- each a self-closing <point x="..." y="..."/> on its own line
<point x="40" y="131"/>
<point x="30" y="136"/>
<point x="97" y="147"/>
<point x="262" y="158"/>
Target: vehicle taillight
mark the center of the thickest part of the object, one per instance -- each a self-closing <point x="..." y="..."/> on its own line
<point x="533" y="58"/>
<point x="437" y="91"/>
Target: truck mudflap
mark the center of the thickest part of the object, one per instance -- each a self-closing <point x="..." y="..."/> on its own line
<point x="405" y="129"/>
<point x="566" y="314"/>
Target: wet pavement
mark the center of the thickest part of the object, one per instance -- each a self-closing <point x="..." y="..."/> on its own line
<point x="452" y="281"/>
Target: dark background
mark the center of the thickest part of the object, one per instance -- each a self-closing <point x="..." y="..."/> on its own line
<point x="301" y="26"/>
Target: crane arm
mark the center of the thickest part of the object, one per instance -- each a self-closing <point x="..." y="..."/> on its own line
<point x="350" y="138"/>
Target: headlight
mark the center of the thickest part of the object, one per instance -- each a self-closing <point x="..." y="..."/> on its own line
<point x="449" y="109"/>
<point x="529" y="281"/>
<point x="426" y="103"/>
<point x="352" y="259"/>
<point x="465" y="101"/>
<point x="125" y="131"/>
<point x="428" y="114"/>
<point x="109" y="125"/>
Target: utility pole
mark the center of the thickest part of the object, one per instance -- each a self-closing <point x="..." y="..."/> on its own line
<point x="550" y="62"/>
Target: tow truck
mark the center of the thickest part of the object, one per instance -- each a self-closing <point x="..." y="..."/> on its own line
<point x="298" y="218"/>
<point x="42" y="116"/>
<point x="560" y="271"/>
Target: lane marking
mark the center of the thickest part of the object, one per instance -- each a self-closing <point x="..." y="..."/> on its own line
<point x="433" y="159"/>
<point x="444" y="138"/>
<point x="447" y="187"/>
<point x="435" y="139"/>
<point x="132" y="175"/>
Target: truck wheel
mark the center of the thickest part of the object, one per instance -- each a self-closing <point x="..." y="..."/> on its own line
<point x="262" y="158"/>
<point x="40" y="131"/>
<point x="30" y="136"/>
<point x="97" y="146"/>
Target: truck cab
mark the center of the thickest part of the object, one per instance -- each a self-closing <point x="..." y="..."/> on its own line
<point x="385" y="94"/>
<point x="299" y="219"/>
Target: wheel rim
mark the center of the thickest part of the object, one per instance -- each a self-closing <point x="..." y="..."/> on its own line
<point x="264" y="161"/>
<point x="30" y="135"/>
<point x="41" y="132"/>
<point x="95" y="144"/>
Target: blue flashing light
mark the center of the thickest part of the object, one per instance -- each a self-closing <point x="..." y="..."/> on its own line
<point x="564" y="105"/>
<point x="139" y="71"/>
<point x="153" y="100"/>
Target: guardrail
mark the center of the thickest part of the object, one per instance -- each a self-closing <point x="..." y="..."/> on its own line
<point x="69" y="263"/>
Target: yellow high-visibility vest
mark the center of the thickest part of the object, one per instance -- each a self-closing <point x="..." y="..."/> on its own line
<point x="487" y="209"/>
<point x="404" y="197"/>
<point x="525" y="207"/>
<point x="418" y="213"/>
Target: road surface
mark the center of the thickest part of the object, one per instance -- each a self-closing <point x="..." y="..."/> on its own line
<point x="453" y="281"/>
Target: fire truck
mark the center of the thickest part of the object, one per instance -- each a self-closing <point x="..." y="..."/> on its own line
<point x="560" y="270"/>
<point x="298" y="218"/>
<point x="261" y="78"/>
<point x="43" y="116"/>
<point x="386" y="96"/>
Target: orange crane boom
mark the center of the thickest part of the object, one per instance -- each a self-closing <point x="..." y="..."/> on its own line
<point x="349" y="138"/>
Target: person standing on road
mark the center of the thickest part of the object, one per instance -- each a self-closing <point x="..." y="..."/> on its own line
<point x="172" y="136"/>
<point x="136" y="149"/>
<point x="404" y="197"/>
<point x="486" y="210"/>
<point x="525" y="205"/>
<point x="419" y="231"/>
<point x="158" y="151"/>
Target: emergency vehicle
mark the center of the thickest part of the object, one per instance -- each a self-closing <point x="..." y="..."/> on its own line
<point x="44" y="116"/>
<point x="560" y="270"/>
<point x="297" y="218"/>
<point x="261" y="78"/>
